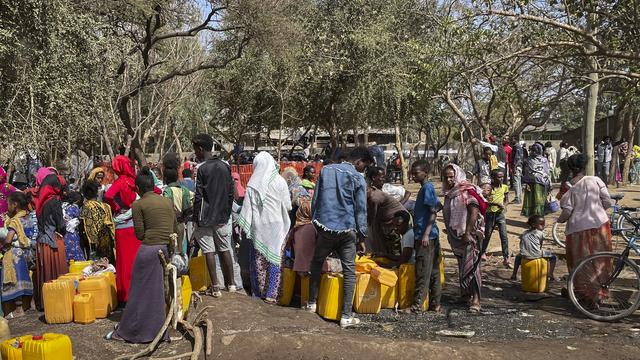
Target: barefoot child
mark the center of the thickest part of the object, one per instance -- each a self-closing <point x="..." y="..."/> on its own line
<point x="17" y="287"/>
<point x="531" y="246"/>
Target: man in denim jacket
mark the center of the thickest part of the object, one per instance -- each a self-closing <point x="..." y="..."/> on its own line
<point x="339" y="213"/>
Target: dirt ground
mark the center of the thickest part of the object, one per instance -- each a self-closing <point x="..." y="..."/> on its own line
<point x="512" y="325"/>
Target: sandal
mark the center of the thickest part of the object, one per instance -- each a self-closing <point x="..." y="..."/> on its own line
<point x="436" y="309"/>
<point x="270" y="301"/>
<point x="475" y="309"/>
<point x="112" y="336"/>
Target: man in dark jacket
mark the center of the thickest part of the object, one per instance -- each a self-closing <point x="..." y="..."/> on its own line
<point x="212" y="212"/>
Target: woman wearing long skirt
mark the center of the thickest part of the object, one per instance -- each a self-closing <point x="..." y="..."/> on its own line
<point x="588" y="229"/>
<point x="50" y="251"/>
<point x="265" y="220"/>
<point x="97" y="229"/>
<point x="120" y="197"/>
<point x="156" y="226"/>
<point x="17" y="287"/>
<point x="537" y="182"/>
<point x="465" y="231"/>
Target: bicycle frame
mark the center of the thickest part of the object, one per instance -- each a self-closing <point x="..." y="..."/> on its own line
<point x="631" y="245"/>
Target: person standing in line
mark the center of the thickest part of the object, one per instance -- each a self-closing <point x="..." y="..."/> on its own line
<point x="264" y="218"/>
<point x="552" y="156"/>
<point x="187" y="180"/>
<point x="212" y="212"/>
<point x="309" y="178"/>
<point x="482" y="170"/>
<point x="498" y="199"/>
<point x="604" y="152"/>
<point x="508" y="150"/>
<point x="462" y="212"/>
<point x="563" y="156"/>
<point x="426" y="238"/>
<point x="339" y="213"/>
<point x="6" y="189"/>
<point x="537" y="182"/>
<point x="97" y="229"/>
<point x="517" y="160"/>
<point x="588" y="229"/>
<point x="51" y="259"/>
<point x="156" y="227"/>
<point x="120" y="198"/>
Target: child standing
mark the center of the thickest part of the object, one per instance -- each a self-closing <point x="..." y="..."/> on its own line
<point x="427" y="243"/>
<point x="17" y="287"/>
<point x="71" y="211"/>
<point x="531" y="246"/>
<point x="498" y="199"/>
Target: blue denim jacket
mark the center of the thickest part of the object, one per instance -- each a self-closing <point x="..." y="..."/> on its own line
<point x="340" y="199"/>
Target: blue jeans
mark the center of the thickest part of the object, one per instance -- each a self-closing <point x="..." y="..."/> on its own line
<point x="491" y="220"/>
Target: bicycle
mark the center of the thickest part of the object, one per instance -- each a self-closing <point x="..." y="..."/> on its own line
<point x="606" y="286"/>
<point x="619" y="224"/>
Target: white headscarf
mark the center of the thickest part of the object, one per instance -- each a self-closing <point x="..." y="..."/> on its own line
<point x="265" y="211"/>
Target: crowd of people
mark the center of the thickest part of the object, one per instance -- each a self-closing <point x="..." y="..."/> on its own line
<point x="248" y="234"/>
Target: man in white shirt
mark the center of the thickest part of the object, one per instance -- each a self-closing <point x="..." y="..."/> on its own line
<point x="603" y="158"/>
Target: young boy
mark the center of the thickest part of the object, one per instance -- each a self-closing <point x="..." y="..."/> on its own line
<point x="402" y="224"/>
<point x="427" y="242"/>
<point x="498" y="199"/>
<point x="531" y="246"/>
<point x="482" y="170"/>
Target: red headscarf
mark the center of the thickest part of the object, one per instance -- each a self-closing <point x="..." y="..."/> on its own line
<point x="124" y="186"/>
<point x="51" y="188"/>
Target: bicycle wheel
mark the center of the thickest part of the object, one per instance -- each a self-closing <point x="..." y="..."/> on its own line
<point x="557" y="232"/>
<point x="605" y="287"/>
<point x="624" y="227"/>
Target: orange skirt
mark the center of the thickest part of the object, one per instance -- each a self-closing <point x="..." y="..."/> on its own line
<point x="50" y="264"/>
<point x="583" y="244"/>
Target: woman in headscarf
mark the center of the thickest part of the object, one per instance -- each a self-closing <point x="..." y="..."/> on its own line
<point x="97" y="229"/>
<point x="97" y="175"/>
<point x="50" y="250"/>
<point x="6" y="189"/>
<point x="265" y="220"/>
<point x="71" y="211"/>
<point x="296" y="190"/>
<point x="463" y="204"/>
<point x="588" y="229"/>
<point x="120" y="198"/>
<point x="536" y="180"/>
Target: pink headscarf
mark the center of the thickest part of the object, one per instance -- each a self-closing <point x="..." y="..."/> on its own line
<point x="42" y="173"/>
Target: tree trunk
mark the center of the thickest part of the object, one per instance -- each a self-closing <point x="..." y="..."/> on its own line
<point x="403" y="165"/>
<point x="632" y="126"/>
<point x="592" y="104"/>
<point x="366" y="134"/>
<point x="280" y="128"/>
<point x="178" y="143"/>
<point x="125" y="117"/>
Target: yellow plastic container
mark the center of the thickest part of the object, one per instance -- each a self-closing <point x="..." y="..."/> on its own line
<point x="49" y="346"/>
<point x="534" y="275"/>
<point x="304" y="289"/>
<point x="76" y="267"/>
<point x="111" y="280"/>
<point x="389" y="295"/>
<point x="329" y="304"/>
<point x="364" y="264"/>
<point x="99" y="287"/>
<point x="198" y="274"/>
<point x="407" y="287"/>
<point x="367" y="296"/>
<point x="186" y="293"/>
<point x="84" y="311"/>
<point x="288" y="285"/>
<point x="57" y="297"/>
<point x="384" y="276"/>
<point x="11" y="349"/>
